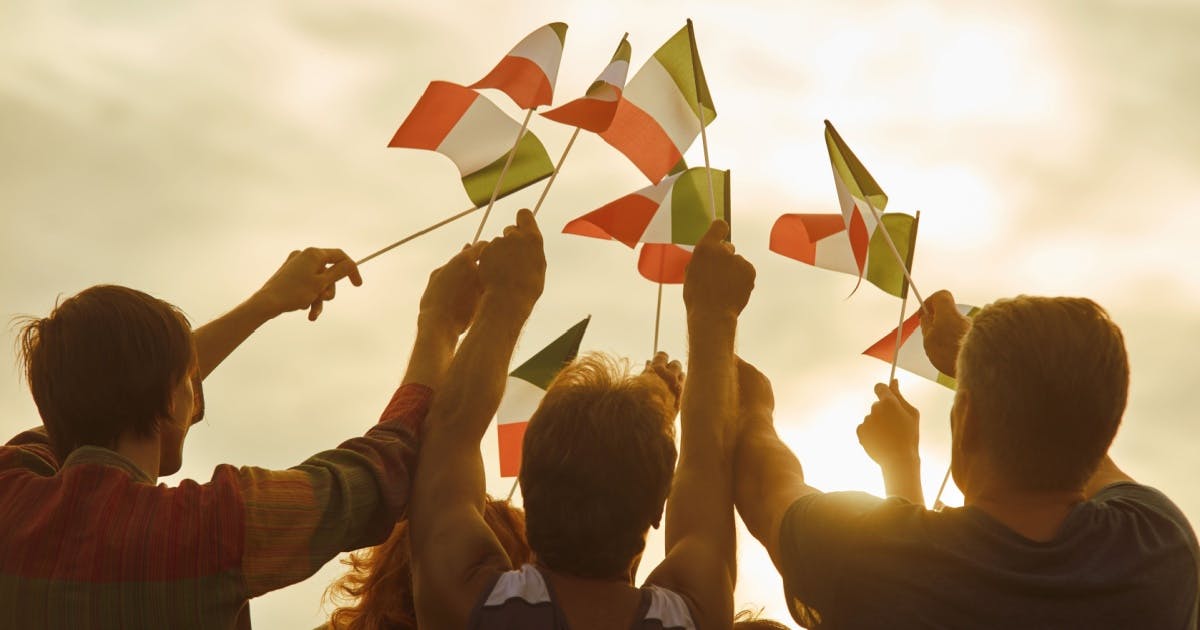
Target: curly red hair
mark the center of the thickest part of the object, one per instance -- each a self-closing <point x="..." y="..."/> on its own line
<point x="377" y="591"/>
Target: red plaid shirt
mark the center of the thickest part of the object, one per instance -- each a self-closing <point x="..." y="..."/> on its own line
<point x="94" y="544"/>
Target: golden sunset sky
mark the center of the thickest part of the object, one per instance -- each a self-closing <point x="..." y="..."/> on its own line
<point x="185" y="148"/>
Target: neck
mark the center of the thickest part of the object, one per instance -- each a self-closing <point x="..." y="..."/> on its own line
<point x="1037" y="516"/>
<point x="589" y="582"/>
<point x="143" y="452"/>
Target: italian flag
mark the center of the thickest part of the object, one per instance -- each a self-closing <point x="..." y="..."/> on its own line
<point x="663" y="107"/>
<point x="855" y="187"/>
<point x="822" y="240"/>
<point x="912" y="348"/>
<point x="676" y="210"/>
<point x="524" y="390"/>
<point x="469" y="129"/>
<point x="594" y="111"/>
<point x="527" y="73"/>
<point x="664" y="263"/>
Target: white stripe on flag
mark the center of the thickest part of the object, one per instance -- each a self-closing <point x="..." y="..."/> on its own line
<point x="833" y="253"/>
<point x="544" y="48"/>
<point x="615" y="73"/>
<point x="521" y="399"/>
<point x="659" y="230"/>
<point x="655" y="92"/>
<point x="483" y="135"/>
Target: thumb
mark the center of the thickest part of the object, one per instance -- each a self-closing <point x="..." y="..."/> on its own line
<point x="717" y="232"/>
<point x="883" y="393"/>
<point x="895" y="389"/>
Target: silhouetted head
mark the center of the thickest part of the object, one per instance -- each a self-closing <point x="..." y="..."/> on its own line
<point x="596" y="468"/>
<point x="1042" y="384"/>
<point x="378" y="591"/>
<point x="113" y="363"/>
<point x="748" y="620"/>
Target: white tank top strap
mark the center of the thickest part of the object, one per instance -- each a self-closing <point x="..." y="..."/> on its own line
<point x="669" y="609"/>
<point x="526" y="584"/>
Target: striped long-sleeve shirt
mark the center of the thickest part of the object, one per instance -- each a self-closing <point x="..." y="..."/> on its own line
<point x="94" y="544"/>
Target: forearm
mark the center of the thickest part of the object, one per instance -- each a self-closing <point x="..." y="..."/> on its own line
<point x="220" y="337"/>
<point x="768" y="478"/>
<point x="432" y="352"/>
<point x="903" y="479"/>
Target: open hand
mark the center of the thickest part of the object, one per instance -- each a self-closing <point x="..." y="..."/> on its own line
<point x="307" y="279"/>
<point x="943" y="329"/>
<point x="718" y="281"/>
<point x="891" y="432"/>
<point x="513" y="266"/>
<point x="453" y="292"/>
<point x="670" y="373"/>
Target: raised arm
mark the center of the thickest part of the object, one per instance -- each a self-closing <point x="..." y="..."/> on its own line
<point x="454" y="551"/>
<point x="305" y="280"/>
<point x="700" y="540"/>
<point x="890" y="435"/>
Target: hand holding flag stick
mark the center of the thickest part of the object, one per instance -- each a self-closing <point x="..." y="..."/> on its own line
<point x="512" y="153"/>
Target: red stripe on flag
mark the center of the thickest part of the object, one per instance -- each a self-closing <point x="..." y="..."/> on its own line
<point x="512" y="435"/>
<point x="521" y="79"/>
<point x="665" y="263"/>
<point x="885" y="349"/>
<point x="624" y="220"/>
<point x="437" y="112"/>
<point x="636" y="134"/>
<point x="796" y="235"/>
<point x="587" y="113"/>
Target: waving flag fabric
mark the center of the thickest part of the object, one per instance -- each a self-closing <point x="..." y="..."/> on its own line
<point x="527" y="73"/>
<point x="822" y="240"/>
<point x="595" y="110"/>
<point x="524" y="390"/>
<point x="912" y="349"/>
<point x="470" y="130"/>
<point x="855" y="187"/>
<point x="664" y="263"/>
<point x="663" y="108"/>
<point x="676" y="210"/>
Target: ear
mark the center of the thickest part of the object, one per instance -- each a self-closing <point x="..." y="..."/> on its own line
<point x="968" y="427"/>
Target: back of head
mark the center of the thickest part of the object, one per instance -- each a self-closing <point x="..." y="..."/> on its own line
<point x="104" y="363"/>
<point x="377" y="591"/>
<point x="1046" y="380"/>
<point x="596" y="467"/>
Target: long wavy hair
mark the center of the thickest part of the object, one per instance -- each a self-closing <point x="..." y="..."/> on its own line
<point x="377" y="591"/>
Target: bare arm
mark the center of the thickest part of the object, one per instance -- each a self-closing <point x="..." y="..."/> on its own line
<point x="890" y="435"/>
<point x="701" y="544"/>
<point x="305" y="280"/>
<point x="454" y="551"/>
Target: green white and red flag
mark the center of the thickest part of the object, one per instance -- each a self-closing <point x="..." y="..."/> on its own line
<point x="524" y="391"/>
<point x="594" y="111"/>
<point x="476" y="135"/>
<point x="528" y="72"/>
<point x="855" y="188"/>
<point x="676" y="210"/>
<point x="823" y="240"/>
<point x="663" y="108"/>
<point x="910" y="345"/>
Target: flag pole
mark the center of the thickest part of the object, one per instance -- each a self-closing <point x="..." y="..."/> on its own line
<point x="554" y="175"/>
<point x="513" y="490"/>
<point x="912" y="248"/>
<point x="938" y="506"/>
<point x="657" y="315"/>
<point x="416" y="234"/>
<point x="500" y="180"/>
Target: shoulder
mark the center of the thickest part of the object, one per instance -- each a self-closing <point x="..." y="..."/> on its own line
<point x="668" y="608"/>
<point x="1146" y="508"/>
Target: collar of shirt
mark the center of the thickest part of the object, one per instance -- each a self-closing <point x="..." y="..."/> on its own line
<point x="96" y="455"/>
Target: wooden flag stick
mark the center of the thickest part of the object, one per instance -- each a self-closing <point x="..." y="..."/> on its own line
<point x="938" y="506"/>
<point x="554" y="175"/>
<point x="657" y="317"/>
<point x="513" y="490"/>
<point x="418" y="233"/>
<point x="912" y="248"/>
<point x="895" y="252"/>
<point x="500" y="180"/>
<point x="712" y="197"/>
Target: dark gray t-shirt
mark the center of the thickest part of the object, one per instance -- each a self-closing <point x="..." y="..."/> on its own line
<point x="1125" y="559"/>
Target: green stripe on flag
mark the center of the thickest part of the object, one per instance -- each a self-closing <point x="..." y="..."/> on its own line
<point x="883" y="270"/>
<point x="691" y="207"/>
<point x="530" y="165"/>
<point x="623" y="50"/>
<point x="851" y="172"/>
<point x="676" y="56"/>
<point x="560" y="29"/>
<point x="542" y="367"/>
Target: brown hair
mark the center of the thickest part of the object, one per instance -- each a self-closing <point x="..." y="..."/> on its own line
<point x="596" y="467"/>
<point x="1046" y="380"/>
<point x="104" y="363"/>
<point x="377" y="591"/>
<point x="749" y="620"/>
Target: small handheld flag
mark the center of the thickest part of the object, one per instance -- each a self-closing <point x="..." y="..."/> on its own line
<point x="528" y="72"/>
<point x="906" y="346"/>
<point x="822" y="240"/>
